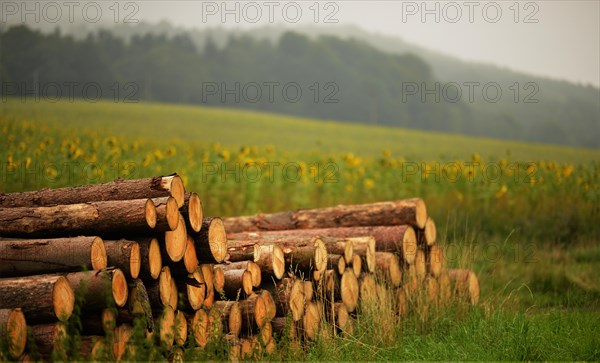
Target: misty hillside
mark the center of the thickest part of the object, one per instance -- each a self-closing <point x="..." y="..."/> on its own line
<point x="346" y="74"/>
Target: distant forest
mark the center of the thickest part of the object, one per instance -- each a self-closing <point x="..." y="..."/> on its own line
<point x="325" y="76"/>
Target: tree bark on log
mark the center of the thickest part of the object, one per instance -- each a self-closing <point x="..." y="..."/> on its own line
<point x="305" y="253"/>
<point x="167" y="214"/>
<point x="409" y="211"/>
<point x="43" y="298"/>
<point x="108" y="218"/>
<point x="240" y="251"/>
<point x="25" y="257"/>
<point x="48" y="337"/>
<point x="119" y="189"/>
<point x="397" y="239"/>
<point x="125" y="255"/>
<point x="288" y="295"/>
<point x="193" y="290"/>
<point x="238" y="283"/>
<point x="98" y="288"/>
<point x="13" y="331"/>
<point x="211" y="241"/>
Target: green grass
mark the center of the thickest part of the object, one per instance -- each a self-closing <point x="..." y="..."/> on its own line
<point x="533" y="242"/>
<point x="234" y="128"/>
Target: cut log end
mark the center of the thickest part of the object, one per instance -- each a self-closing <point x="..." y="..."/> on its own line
<point x="196" y="294"/>
<point x="173" y="295"/>
<point x="135" y="261"/>
<point x="195" y="213"/>
<point x="348" y="250"/>
<point x="180" y="328"/>
<point x="217" y="239"/>
<point x="420" y="213"/>
<point x="166" y="325"/>
<point x="190" y="259"/>
<point x="172" y="213"/>
<point x="409" y="245"/>
<point x="270" y="305"/>
<point x="151" y="214"/>
<point x="176" y="240"/>
<point x="155" y="258"/>
<point x="256" y="274"/>
<point x="370" y="256"/>
<point x="436" y="260"/>
<point x="278" y="262"/>
<point x="341" y="265"/>
<point x="218" y="278"/>
<point x="356" y="265"/>
<point x="311" y="320"/>
<point x="349" y="290"/>
<point x="98" y="254"/>
<point x="234" y="320"/>
<point x="14" y="325"/>
<point x="297" y="300"/>
<point x="164" y="285"/>
<point x="177" y="190"/>
<point x="63" y="299"/>
<point x="247" y="282"/>
<point x="119" y="287"/>
<point x="430" y="232"/>
<point x="320" y="255"/>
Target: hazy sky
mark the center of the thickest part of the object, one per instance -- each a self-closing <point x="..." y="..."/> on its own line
<point x="559" y="39"/>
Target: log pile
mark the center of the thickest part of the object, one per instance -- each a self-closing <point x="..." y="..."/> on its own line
<point x="139" y="255"/>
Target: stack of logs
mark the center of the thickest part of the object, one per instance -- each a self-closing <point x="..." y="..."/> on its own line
<point x="141" y="251"/>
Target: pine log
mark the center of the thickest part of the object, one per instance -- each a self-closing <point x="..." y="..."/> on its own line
<point x="103" y="322"/>
<point x="368" y="290"/>
<point x="288" y="296"/>
<point x="303" y="253"/>
<point x="365" y="247"/>
<point x="211" y="241"/>
<point x="432" y="288"/>
<point x="435" y="260"/>
<point x="167" y="214"/>
<point x="398" y="239"/>
<point x="192" y="211"/>
<point x="308" y="290"/>
<point x="151" y="259"/>
<point x="174" y="294"/>
<point x="188" y="264"/>
<point x="166" y="328"/>
<point x="107" y="218"/>
<point x="421" y="265"/>
<point x="218" y="278"/>
<point x="180" y="328"/>
<point x="343" y="321"/>
<point x="240" y="251"/>
<point x="265" y="334"/>
<point x="231" y="316"/>
<point x="43" y="298"/>
<point x="121" y="344"/>
<point x="252" y="267"/>
<point x="445" y="288"/>
<point x="199" y="328"/>
<point x="466" y="284"/>
<point x="409" y="211"/>
<point x="13" y="331"/>
<point x="329" y="287"/>
<point x="428" y="235"/>
<point x="388" y="267"/>
<point x="24" y="257"/>
<point x="207" y="272"/>
<point x="254" y="313"/>
<point x="117" y="190"/>
<point x="411" y="281"/>
<point x="125" y="255"/>
<point x="271" y="307"/>
<point x="356" y="265"/>
<point x="336" y="262"/>
<point x="271" y="261"/>
<point x="238" y="283"/>
<point x="159" y="291"/>
<point x="401" y="303"/>
<point x="176" y="240"/>
<point x="193" y="294"/>
<point x="349" y="290"/>
<point x="311" y="320"/>
<point x="47" y="338"/>
<point x="100" y="288"/>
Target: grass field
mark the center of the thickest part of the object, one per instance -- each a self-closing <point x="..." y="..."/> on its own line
<point x="524" y="217"/>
